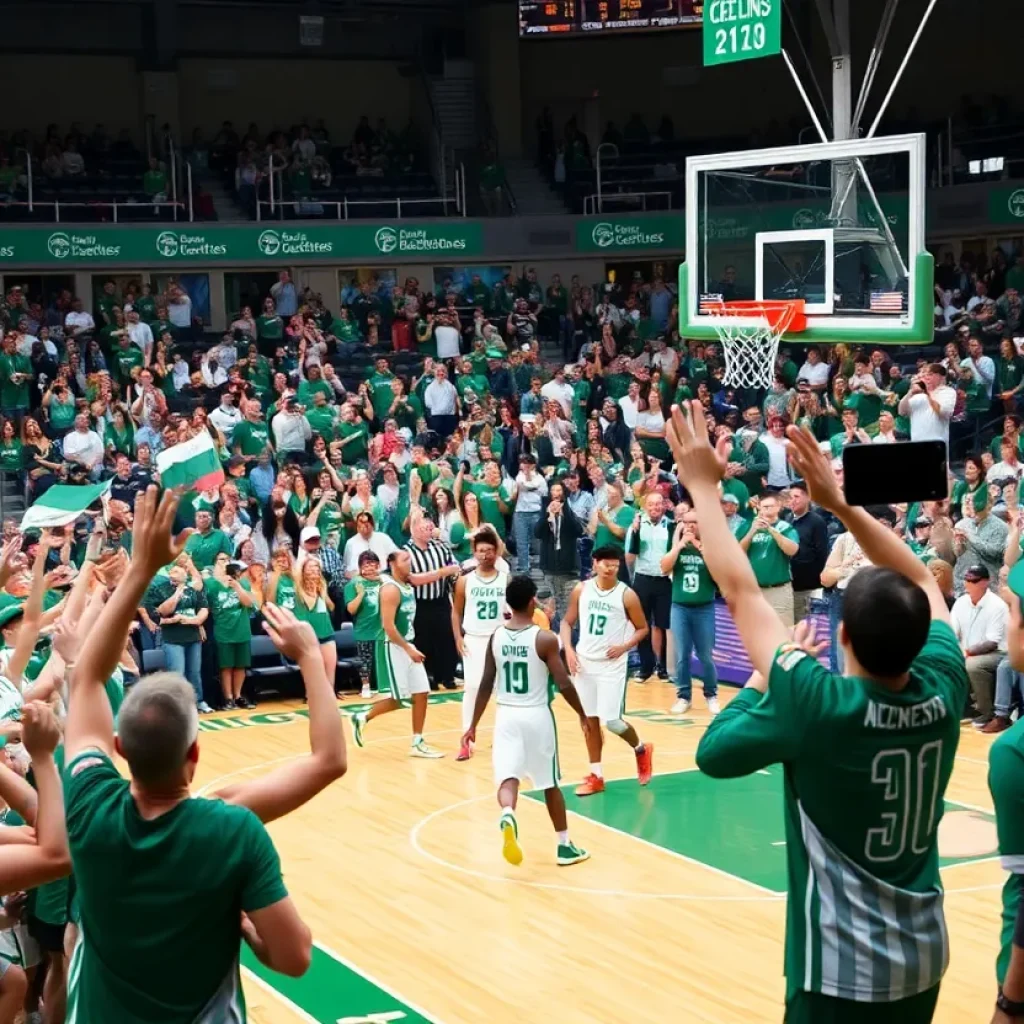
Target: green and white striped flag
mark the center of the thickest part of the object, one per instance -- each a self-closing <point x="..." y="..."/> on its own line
<point x="193" y="464"/>
<point x="62" y="504"/>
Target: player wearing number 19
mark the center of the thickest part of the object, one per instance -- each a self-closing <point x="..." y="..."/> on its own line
<point x="524" y="659"/>
<point x="478" y="609"/>
<point x="611" y="623"/>
<point x="867" y="756"/>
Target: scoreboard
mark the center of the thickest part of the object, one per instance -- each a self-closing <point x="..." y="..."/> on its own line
<point x="571" y="17"/>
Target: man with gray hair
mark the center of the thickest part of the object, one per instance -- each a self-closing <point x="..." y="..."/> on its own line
<point x="161" y="876"/>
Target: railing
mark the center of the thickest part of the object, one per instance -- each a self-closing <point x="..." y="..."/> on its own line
<point x="594" y="203"/>
<point x="997" y="150"/>
<point x="343" y="207"/>
<point x="460" y="189"/>
<point x="99" y="204"/>
<point x="612" y="148"/>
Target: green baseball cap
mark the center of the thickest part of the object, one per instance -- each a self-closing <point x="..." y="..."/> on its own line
<point x="494" y="353"/>
<point x="9" y="612"/>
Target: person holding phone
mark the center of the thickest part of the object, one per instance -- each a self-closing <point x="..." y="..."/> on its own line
<point x="929" y="405"/>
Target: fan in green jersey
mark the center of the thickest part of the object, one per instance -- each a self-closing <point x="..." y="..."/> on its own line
<point x="867" y="755"/>
<point x="127" y="836"/>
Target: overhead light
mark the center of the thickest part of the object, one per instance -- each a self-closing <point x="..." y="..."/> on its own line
<point x="991" y="165"/>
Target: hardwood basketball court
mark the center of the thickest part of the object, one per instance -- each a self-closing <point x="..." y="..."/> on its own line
<point x="678" y="916"/>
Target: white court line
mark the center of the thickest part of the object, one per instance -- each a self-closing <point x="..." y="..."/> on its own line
<point x="345" y="962"/>
<point x="414" y="839"/>
<point x="279" y="996"/>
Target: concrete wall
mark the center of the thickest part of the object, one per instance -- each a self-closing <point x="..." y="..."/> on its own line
<point x="280" y="94"/>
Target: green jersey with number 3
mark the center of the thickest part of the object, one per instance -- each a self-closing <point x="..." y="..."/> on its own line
<point x="866" y="771"/>
<point x="691" y="582"/>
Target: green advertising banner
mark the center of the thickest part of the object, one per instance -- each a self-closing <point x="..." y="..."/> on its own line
<point x="1006" y="205"/>
<point x="619" y="234"/>
<point x="200" y="243"/>
<point x="741" y="30"/>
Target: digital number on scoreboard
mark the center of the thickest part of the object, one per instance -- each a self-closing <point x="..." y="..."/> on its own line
<point x="576" y="16"/>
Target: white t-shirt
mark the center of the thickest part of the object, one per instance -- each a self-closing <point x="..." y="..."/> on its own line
<point x="80" y="321"/>
<point x="815" y="374"/>
<point x="86" y="447"/>
<point x="141" y="335"/>
<point x="630" y="411"/>
<point x="925" y="423"/>
<point x="778" y="466"/>
<point x="179" y="312"/>
<point x="447" y="339"/>
<point x="379" y="543"/>
<point x="974" y="624"/>
<point x="561" y="393"/>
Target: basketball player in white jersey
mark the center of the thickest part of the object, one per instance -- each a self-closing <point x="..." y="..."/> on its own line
<point x="523" y="659"/>
<point x="611" y="623"/>
<point x="477" y="611"/>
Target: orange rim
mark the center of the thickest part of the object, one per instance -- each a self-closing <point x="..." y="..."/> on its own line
<point x="776" y="312"/>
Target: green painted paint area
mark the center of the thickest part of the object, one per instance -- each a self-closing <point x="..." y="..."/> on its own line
<point x="734" y="825"/>
<point x="331" y="992"/>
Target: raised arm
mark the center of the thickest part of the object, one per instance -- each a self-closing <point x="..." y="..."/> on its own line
<point x="700" y="468"/>
<point x="90" y="723"/>
<point x="291" y="785"/>
<point x="880" y="545"/>
<point x="29" y="632"/>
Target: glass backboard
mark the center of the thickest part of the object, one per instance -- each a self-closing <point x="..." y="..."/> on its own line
<point x="839" y="225"/>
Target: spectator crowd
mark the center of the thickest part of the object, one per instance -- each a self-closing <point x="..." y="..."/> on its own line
<point x="415" y="418"/>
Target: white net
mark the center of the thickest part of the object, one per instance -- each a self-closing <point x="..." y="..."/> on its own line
<point x="751" y="343"/>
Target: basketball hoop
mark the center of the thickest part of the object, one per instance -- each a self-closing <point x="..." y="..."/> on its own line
<point x="751" y="346"/>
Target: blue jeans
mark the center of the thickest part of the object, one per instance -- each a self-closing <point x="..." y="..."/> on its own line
<point x="835" y="615"/>
<point x="523" y="525"/>
<point x="186" y="660"/>
<point x="1006" y="682"/>
<point x="693" y="629"/>
<point x="585" y="550"/>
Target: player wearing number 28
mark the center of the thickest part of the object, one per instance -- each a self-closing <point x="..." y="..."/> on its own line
<point x="867" y="756"/>
<point x="611" y="622"/>
<point x="478" y="609"/>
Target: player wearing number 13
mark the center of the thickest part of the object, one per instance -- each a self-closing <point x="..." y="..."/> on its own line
<point x="867" y="756"/>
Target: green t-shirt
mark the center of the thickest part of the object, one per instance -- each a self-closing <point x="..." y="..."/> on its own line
<point x="357" y="450"/>
<point x="145" y="306"/>
<point x="259" y="371"/>
<point x="125" y="360"/>
<point x="317" y="616"/>
<point x="381" y="395"/>
<point x="160" y="899"/>
<point x="409" y="412"/>
<point x="603" y="537"/>
<point x="230" y="616"/>
<point x="251" y="438"/>
<point x="691" y="582"/>
<point x="204" y="549"/>
<point x="121" y="440"/>
<point x="284" y="597"/>
<point x="321" y="420"/>
<point x="868" y="407"/>
<point x="309" y="388"/>
<point x="154" y="182"/>
<point x="770" y="565"/>
<point x="15" y="395"/>
<point x="190" y="602"/>
<point x="1006" y="784"/>
<point x="490" y="510"/>
<point x="62" y="414"/>
<point x="475" y="382"/>
<point x="10" y="456"/>
<point x="269" y="328"/>
<point x="866" y="771"/>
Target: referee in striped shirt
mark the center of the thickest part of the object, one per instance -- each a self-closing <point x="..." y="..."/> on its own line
<point x="432" y="565"/>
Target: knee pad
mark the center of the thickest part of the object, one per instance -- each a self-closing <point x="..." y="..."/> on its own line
<point x="617" y="726"/>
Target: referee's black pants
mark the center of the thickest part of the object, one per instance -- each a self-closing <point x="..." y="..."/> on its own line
<point x="434" y="638"/>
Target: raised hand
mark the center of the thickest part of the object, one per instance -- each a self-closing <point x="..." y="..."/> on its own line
<point x="696" y="461"/>
<point x="153" y="545"/>
<point x="814" y="468"/>
<point x="66" y="640"/>
<point x="40" y="730"/>
<point x="292" y="637"/>
<point x="11" y="548"/>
